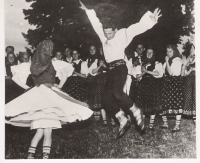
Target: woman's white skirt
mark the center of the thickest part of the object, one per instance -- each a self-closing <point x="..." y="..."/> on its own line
<point x="41" y="107"/>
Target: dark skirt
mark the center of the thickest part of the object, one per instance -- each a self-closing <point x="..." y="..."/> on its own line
<point x="76" y="87"/>
<point x="133" y="89"/>
<point x="148" y="95"/>
<point x="172" y="95"/>
<point x="189" y="94"/>
<point x="12" y="90"/>
<point x="96" y="85"/>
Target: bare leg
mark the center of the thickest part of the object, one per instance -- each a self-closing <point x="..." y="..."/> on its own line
<point x="37" y="137"/>
<point x="47" y="142"/>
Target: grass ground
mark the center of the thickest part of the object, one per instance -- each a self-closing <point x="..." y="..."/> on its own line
<point x="90" y="139"/>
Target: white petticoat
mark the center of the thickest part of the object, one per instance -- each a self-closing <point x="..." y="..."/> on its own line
<point x="41" y="107"/>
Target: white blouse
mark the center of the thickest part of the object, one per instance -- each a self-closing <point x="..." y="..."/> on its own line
<point x="158" y="68"/>
<point x="175" y="66"/>
<point x="62" y="65"/>
<point x="21" y="71"/>
<point x="86" y="71"/>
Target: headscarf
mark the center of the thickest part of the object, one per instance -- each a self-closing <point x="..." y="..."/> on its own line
<point x="42" y="57"/>
<point x="175" y="53"/>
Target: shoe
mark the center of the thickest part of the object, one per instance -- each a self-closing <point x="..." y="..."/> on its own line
<point x="105" y="123"/>
<point x="97" y="118"/>
<point x="46" y="155"/>
<point x="113" y="123"/>
<point x="31" y="156"/>
<point x="151" y="129"/>
<point x="164" y="127"/>
<point x="175" y="130"/>
<point x="123" y="129"/>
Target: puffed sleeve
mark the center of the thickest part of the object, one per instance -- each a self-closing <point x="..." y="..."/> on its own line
<point x="60" y="65"/>
<point x="159" y="69"/>
<point x="84" y="68"/>
<point x="21" y="71"/>
<point x="176" y="66"/>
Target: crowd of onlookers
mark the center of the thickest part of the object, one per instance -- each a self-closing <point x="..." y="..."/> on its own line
<point x="156" y="88"/>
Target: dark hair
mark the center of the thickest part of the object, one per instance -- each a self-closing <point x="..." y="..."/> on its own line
<point x="75" y="49"/>
<point x="109" y="25"/>
<point x="21" y="55"/>
<point x="175" y="50"/>
<point x="153" y="58"/>
<point x="7" y="61"/>
<point x="10" y="47"/>
<point x="176" y="53"/>
<point x="140" y="43"/>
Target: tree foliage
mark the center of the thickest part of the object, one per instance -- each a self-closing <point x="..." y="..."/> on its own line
<point x="66" y="24"/>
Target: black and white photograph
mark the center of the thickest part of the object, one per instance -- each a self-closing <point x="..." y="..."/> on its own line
<point x="99" y="79"/>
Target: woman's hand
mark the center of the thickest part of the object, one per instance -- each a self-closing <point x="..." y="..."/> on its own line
<point x="101" y="63"/>
<point x="166" y="58"/>
<point x="57" y="86"/>
<point x="48" y="85"/>
<point x="193" y="68"/>
<point x="184" y="60"/>
<point x="143" y="70"/>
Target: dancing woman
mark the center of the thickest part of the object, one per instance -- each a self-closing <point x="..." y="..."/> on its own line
<point x="41" y="108"/>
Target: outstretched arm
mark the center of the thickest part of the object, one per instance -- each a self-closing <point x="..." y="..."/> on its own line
<point x="96" y="24"/>
<point x="146" y="22"/>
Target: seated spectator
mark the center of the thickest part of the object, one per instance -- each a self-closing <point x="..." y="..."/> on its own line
<point x="21" y="78"/>
<point x="9" y="49"/>
<point x="10" y="60"/>
<point x="67" y="55"/>
<point x="76" y="85"/>
<point x="58" y="55"/>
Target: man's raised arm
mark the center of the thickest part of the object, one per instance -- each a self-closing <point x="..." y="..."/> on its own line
<point x="94" y="21"/>
<point x="148" y="20"/>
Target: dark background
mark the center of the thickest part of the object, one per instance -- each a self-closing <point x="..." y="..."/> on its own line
<point x="67" y="25"/>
